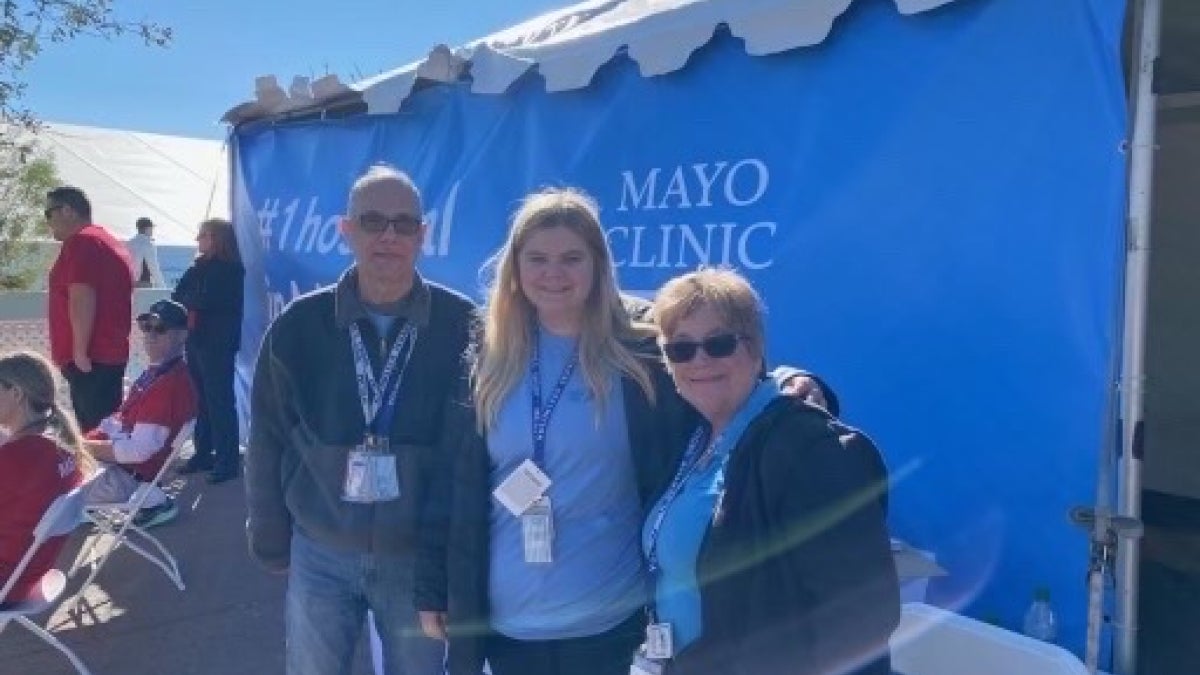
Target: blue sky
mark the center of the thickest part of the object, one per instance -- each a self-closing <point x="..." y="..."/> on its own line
<point x="220" y="46"/>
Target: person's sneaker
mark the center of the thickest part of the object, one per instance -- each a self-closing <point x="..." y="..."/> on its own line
<point x="156" y="515"/>
<point x="196" y="464"/>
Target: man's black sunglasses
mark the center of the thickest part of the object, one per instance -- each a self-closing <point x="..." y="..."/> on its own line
<point x="51" y="209"/>
<point x="717" y="347"/>
<point x="152" y="326"/>
<point x="376" y="223"/>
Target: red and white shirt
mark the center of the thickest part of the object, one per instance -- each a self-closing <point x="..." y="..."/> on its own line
<point x="144" y="427"/>
<point x="33" y="472"/>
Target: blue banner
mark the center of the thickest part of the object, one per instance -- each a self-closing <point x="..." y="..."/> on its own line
<point x="931" y="207"/>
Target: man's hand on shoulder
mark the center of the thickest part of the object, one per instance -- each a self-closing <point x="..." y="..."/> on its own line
<point x="805" y="388"/>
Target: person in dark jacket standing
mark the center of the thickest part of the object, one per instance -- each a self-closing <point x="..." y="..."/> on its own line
<point x="347" y="407"/>
<point x="768" y="549"/>
<point x="211" y="290"/>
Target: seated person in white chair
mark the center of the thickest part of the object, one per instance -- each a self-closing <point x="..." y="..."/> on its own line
<point x="132" y="443"/>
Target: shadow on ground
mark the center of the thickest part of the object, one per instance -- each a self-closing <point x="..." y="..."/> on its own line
<point x="228" y="620"/>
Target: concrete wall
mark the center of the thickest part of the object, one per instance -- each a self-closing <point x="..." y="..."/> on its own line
<point x="1173" y="334"/>
<point x="23" y="323"/>
<point x="173" y="260"/>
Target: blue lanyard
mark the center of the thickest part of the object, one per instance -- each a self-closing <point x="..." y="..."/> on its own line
<point x="687" y="466"/>
<point x="541" y="418"/>
<point x="378" y="397"/>
<point x="142" y="384"/>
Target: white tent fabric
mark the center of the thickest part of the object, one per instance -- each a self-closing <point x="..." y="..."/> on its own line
<point x="569" y="45"/>
<point x="175" y="181"/>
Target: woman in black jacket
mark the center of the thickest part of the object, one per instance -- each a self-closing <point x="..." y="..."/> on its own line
<point x="211" y="289"/>
<point x="768" y="550"/>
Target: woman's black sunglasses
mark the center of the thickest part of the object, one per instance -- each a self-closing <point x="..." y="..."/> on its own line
<point x="717" y="347"/>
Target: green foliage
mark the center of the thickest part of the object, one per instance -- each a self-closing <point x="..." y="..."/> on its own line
<point x="28" y="26"/>
<point x="26" y="175"/>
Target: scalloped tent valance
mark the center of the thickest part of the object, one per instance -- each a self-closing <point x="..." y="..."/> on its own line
<point x="568" y="46"/>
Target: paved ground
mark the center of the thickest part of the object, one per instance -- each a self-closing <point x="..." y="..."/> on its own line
<point x="229" y="620"/>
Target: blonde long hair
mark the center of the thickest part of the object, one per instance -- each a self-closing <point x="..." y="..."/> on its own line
<point x="509" y="319"/>
<point x="35" y="377"/>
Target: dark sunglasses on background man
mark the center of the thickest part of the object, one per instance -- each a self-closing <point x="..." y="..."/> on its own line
<point x="717" y="347"/>
<point x="375" y="223"/>
<point x="51" y="209"/>
<point x="152" y="326"/>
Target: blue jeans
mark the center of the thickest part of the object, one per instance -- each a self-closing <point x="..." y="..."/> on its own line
<point x="328" y="595"/>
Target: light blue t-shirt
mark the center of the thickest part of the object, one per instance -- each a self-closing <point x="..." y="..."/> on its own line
<point x="383" y="322"/>
<point x="676" y="593"/>
<point x="596" y="579"/>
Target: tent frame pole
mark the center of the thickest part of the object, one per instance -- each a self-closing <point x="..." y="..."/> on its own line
<point x="1148" y="18"/>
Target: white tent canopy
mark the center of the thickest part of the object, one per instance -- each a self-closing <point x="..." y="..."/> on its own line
<point x="175" y="181"/>
<point x="568" y="46"/>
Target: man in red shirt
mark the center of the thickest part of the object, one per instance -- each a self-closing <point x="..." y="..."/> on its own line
<point x="132" y="443"/>
<point x="91" y="304"/>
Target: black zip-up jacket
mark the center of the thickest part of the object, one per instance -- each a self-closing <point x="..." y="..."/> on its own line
<point x="212" y="291"/>
<point x="796" y="571"/>
<point x="306" y="416"/>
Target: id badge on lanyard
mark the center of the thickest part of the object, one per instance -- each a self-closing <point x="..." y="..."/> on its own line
<point x="644" y="665"/>
<point x="371" y="473"/>
<point x="660" y="644"/>
<point x="524" y="491"/>
<point x="537" y="532"/>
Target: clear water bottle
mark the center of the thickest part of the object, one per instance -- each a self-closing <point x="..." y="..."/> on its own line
<point x="1040" y="622"/>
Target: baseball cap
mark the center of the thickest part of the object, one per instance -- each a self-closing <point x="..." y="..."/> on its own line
<point x="170" y="313"/>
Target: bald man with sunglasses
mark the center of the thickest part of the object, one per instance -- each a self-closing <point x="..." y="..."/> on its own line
<point x="349" y="393"/>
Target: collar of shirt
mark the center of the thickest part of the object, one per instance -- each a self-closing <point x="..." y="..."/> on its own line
<point x="349" y="306"/>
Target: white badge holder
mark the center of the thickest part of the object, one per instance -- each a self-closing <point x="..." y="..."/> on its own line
<point x="383" y="469"/>
<point x="523" y="493"/>
<point x="371" y="473"/>
<point x="659" y="643"/>
<point x="644" y="665"/>
<point x="537" y="532"/>
<point x="355" y="488"/>
<point x="522" y="488"/>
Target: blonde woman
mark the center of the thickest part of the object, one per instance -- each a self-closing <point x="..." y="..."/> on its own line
<point x="530" y="558"/>
<point x="40" y="459"/>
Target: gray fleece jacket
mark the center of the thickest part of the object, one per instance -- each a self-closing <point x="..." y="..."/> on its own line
<point x="306" y="416"/>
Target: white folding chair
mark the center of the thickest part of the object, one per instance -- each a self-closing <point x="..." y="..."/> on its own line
<point x="61" y="518"/>
<point x="114" y="521"/>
